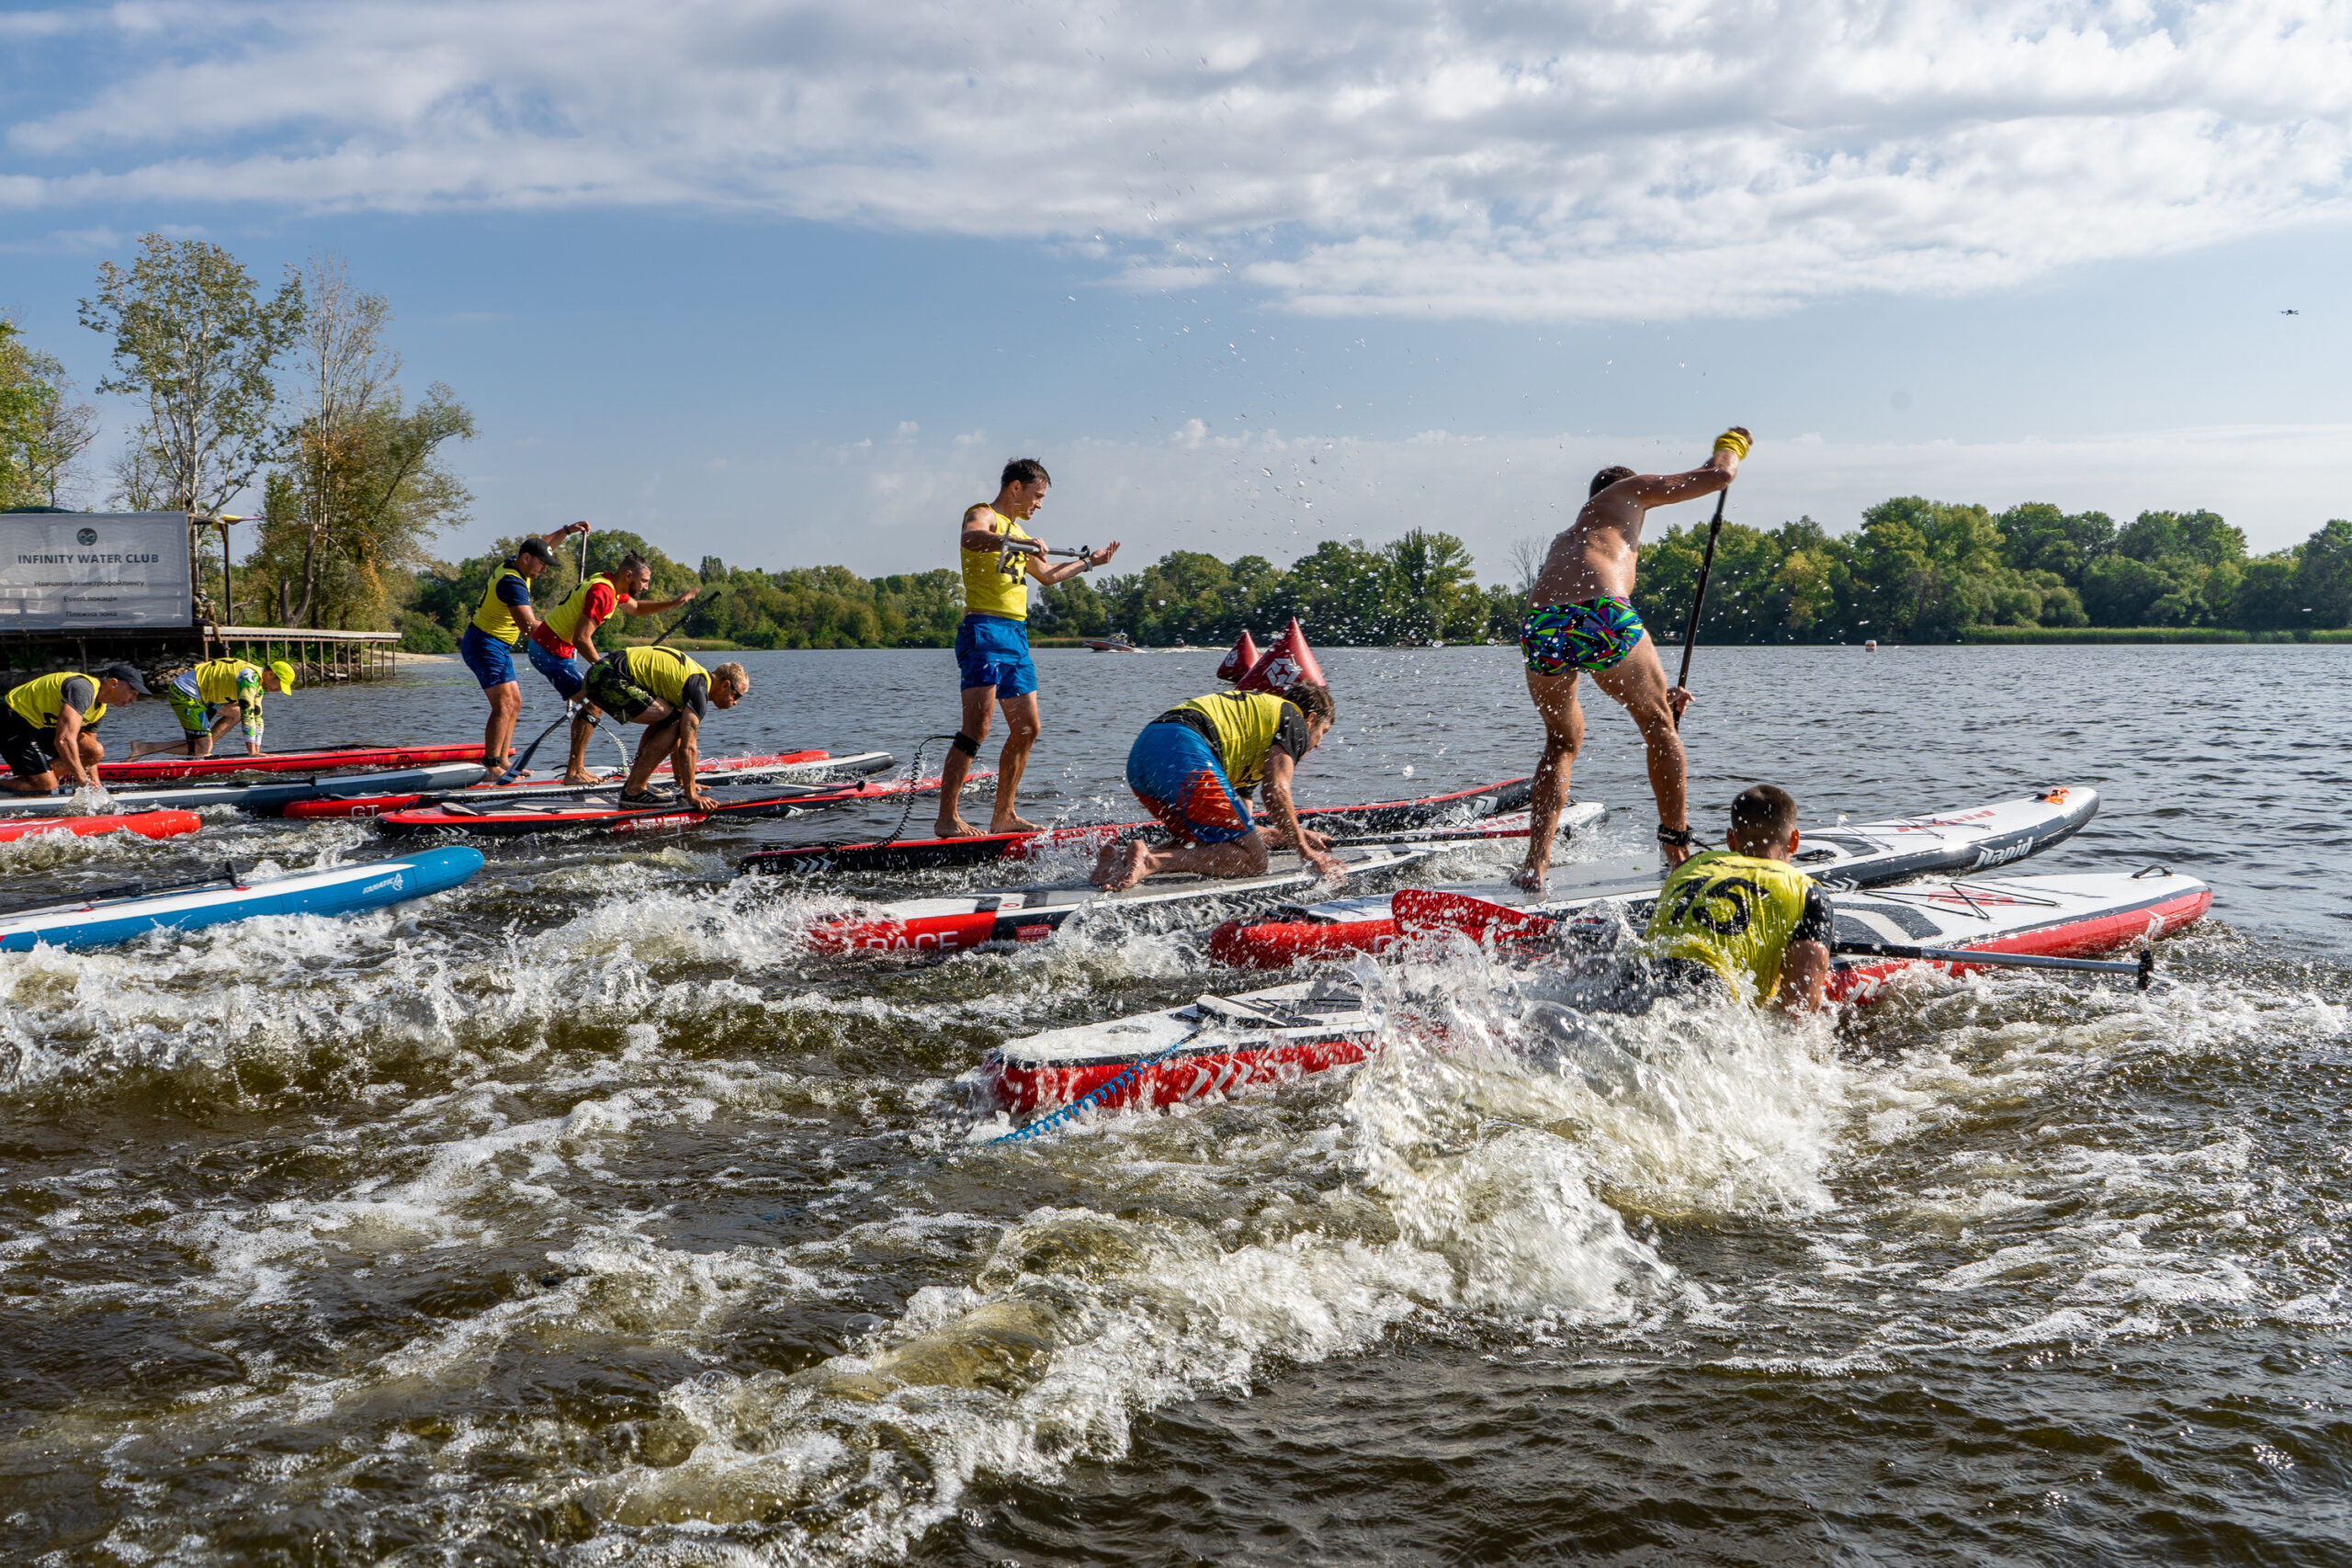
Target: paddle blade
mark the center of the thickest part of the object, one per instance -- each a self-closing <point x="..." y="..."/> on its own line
<point x="1288" y="662"/>
<point x="1240" y="660"/>
<point x="1424" y="912"/>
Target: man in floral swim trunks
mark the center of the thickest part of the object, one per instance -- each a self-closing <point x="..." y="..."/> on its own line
<point x="1580" y="618"/>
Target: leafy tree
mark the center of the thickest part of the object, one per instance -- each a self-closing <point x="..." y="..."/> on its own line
<point x="43" y="431"/>
<point x="2037" y="536"/>
<point x="194" y="342"/>
<point x="2324" y="576"/>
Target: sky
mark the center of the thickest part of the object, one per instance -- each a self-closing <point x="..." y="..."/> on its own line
<point x="788" y="283"/>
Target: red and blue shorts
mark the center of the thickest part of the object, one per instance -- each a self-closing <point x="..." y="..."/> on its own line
<point x="1175" y="772"/>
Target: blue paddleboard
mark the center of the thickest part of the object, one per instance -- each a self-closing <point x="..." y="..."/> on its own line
<point x="335" y="890"/>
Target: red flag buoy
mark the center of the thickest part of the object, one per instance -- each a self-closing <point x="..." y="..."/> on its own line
<point x="1288" y="662"/>
<point x="1240" y="661"/>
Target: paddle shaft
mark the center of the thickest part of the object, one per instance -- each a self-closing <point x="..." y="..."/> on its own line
<point x="1699" y="599"/>
<point x="2143" y="967"/>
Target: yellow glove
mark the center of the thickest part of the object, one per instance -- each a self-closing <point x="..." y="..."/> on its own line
<point x="1734" y="441"/>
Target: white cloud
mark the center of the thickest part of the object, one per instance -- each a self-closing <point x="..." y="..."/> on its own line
<point x="1586" y="161"/>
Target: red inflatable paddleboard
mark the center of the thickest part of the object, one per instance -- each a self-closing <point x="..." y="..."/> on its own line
<point x="146" y="824"/>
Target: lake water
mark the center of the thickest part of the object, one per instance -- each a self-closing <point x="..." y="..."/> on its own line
<point x="436" y="1236"/>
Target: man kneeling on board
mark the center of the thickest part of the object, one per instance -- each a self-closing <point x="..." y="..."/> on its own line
<point x="1194" y="768"/>
<point x="214" y="696"/>
<point x="1742" y="916"/>
<point x="668" y="693"/>
<point x="52" y="723"/>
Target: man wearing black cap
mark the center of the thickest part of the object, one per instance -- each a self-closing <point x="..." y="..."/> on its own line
<point x="500" y="621"/>
<point x="54" y="721"/>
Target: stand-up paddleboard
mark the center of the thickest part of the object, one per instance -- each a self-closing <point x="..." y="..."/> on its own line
<point x="146" y="824"/>
<point x="1460" y="808"/>
<point x="601" y="811"/>
<point x="121" y="915"/>
<point x="1854" y="855"/>
<point x="1221" y="1046"/>
<point x="798" y="767"/>
<point x="1033" y="914"/>
<point x="266" y="798"/>
<point x="319" y="760"/>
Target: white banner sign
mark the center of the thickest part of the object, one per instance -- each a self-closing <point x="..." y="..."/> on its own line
<point x="94" y="570"/>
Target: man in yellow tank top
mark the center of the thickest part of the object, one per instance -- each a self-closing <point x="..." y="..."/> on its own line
<point x="1194" y="768"/>
<point x="502" y="619"/>
<point x="668" y="693"/>
<point x="1743" y="917"/>
<point x="993" y="644"/>
<point x="50" y="724"/>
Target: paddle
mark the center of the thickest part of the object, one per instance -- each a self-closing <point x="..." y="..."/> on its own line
<point x="2143" y="968"/>
<point x="1706" y="566"/>
<point x="227" y="873"/>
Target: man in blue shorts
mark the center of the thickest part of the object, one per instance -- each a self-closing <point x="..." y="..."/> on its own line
<point x="500" y="622"/>
<point x="1194" y="768"/>
<point x="1580" y="619"/>
<point x="992" y="644"/>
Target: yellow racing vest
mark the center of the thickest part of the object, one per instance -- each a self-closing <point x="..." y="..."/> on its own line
<point x="216" y="681"/>
<point x="493" y="616"/>
<point x="1246" y="724"/>
<point x="1733" y="913"/>
<point x="564" y="619"/>
<point x="42" y="701"/>
<point x="662" y="671"/>
<point x="987" y="590"/>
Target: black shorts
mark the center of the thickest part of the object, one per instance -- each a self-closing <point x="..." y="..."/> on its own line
<point x="27" y="751"/>
<point x="610" y="687"/>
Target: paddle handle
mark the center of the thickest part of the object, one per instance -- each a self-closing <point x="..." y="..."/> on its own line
<point x="1706" y="567"/>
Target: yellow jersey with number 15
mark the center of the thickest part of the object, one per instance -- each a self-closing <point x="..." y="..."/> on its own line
<point x="1736" y="914"/>
<point x="986" y="590"/>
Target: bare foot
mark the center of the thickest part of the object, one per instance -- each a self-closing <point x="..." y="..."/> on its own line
<point x="1528" y="878"/>
<point x="1013" y="824"/>
<point x="581" y="778"/>
<point x="1127" y="875"/>
<point x="954" y="827"/>
<point x="492" y="774"/>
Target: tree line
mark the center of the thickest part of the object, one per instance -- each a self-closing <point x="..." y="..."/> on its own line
<point x="1915" y="570"/>
<point x="294" y="393"/>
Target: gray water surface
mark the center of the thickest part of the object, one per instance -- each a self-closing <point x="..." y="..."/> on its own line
<point x="480" y="1230"/>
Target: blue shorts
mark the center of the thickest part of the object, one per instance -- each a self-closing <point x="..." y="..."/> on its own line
<point x="1174" y="772"/>
<point x="566" y="675"/>
<point x="492" y="661"/>
<point x="993" y="652"/>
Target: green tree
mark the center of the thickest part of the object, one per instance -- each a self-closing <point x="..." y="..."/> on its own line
<point x="2324" y="576"/>
<point x="2037" y="536"/>
<point x="193" y="339"/>
<point x="43" y="431"/>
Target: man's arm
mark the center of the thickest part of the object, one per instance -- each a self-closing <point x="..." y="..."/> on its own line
<point x="69" y="744"/>
<point x="1665" y="490"/>
<point x="249" y="709"/>
<point x="685" y="759"/>
<point x="1312" y="846"/>
<point x="1048" y="576"/>
<point x="977" y="536"/>
<point x="1804" y="966"/>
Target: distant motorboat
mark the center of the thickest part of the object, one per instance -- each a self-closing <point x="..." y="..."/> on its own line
<point x="1116" y="643"/>
<point x="1416" y="642"/>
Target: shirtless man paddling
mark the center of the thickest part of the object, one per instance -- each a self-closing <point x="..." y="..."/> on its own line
<point x="1580" y="618"/>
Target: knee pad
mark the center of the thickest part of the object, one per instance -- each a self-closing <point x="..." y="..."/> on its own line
<point x="966" y="744"/>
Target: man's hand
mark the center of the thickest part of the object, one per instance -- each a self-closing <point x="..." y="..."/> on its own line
<point x="1677" y="699"/>
<point x="1103" y="557"/>
<point x="1328" y="865"/>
